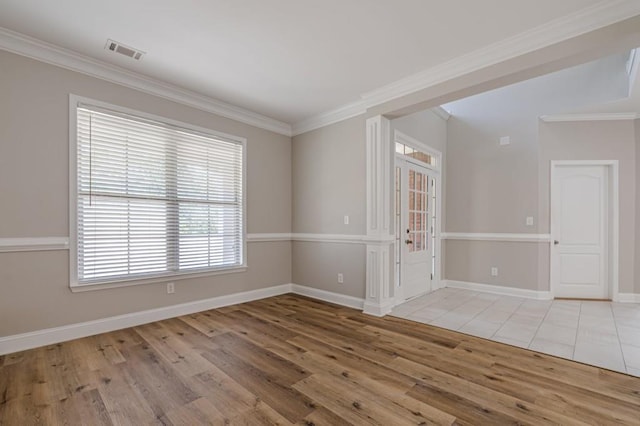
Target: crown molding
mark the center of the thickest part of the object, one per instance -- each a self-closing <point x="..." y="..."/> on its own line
<point x="613" y="116"/>
<point x="441" y="112"/>
<point x="30" y="47"/>
<point x="589" y="19"/>
<point x="345" y="112"/>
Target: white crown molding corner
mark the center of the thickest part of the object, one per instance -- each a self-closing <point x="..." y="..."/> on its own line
<point x="613" y="116"/>
<point x="21" y="342"/>
<point x="591" y="18"/>
<point x="33" y="244"/>
<point x="496" y="289"/>
<point x="30" y="47"/>
<point x="627" y="298"/>
<point x="328" y="296"/>
<point x="441" y="112"/>
<point x="274" y="237"/>
<point x="342" y="113"/>
<point x="506" y="237"/>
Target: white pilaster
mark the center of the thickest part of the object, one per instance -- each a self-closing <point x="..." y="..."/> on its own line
<point x="379" y="298"/>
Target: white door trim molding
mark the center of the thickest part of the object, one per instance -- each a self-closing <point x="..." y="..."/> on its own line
<point x="506" y="237"/>
<point x="33" y="48"/>
<point x="496" y="289"/>
<point x="436" y="172"/>
<point x="33" y="244"/>
<point x="614" y="195"/>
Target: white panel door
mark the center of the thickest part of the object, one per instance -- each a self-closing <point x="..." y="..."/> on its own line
<point x="415" y="234"/>
<point x="579" y="226"/>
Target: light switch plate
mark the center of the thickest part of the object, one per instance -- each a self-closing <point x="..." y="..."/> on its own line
<point x="346" y="219"/>
<point x="529" y="220"/>
<point x="494" y="271"/>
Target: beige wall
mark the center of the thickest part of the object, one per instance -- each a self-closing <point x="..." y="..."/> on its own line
<point x="34" y="186"/>
<point x="595" y="140"/>
<point x="471" y="261"/>
<point x="329" y="182"/>
<point x="328" y="172"/>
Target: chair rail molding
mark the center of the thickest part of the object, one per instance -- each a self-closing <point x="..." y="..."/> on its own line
<point x="33" y="244"/>
<point x="497" y="236"/>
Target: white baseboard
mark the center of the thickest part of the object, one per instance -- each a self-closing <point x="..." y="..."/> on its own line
<point x="49" y="336"/>
<point x="495" y="289"/>
<point x="328" y="296"/>
<point x="628" y="298"/>
<point x="21" y="342"/>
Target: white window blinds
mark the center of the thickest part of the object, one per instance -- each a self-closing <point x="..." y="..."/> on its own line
<point x="154" y="199"/>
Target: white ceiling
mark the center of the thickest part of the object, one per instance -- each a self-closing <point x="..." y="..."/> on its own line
<point x="286" y="59"/>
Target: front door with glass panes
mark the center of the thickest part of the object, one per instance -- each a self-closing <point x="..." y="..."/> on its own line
<point x="415" y="226"/>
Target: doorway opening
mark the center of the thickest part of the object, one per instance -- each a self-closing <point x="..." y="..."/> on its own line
<point x="417" y="217"/>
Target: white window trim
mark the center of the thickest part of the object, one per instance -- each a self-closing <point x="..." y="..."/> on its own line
<point x="75" y="286"/>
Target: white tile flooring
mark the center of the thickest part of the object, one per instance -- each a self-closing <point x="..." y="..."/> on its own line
<point x="604" y="334"/>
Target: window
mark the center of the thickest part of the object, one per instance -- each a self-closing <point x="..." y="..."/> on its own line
<point x="404" y="149"/>
<point x="154" y="198"/>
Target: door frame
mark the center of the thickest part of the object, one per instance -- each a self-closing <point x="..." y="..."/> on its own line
<point x="612" y="167"/>
<point x="400" y="137"/>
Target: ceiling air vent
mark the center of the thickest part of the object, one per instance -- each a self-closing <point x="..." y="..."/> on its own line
<point x="120" y="48"/>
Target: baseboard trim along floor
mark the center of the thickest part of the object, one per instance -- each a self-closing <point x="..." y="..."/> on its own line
<point x="49" y="336"/>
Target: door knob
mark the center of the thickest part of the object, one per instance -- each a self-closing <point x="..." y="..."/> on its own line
<point x="408" y="242"/>
<point x="556" y="242"/>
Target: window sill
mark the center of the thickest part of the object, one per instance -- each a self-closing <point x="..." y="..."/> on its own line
<point x="104" y="285"/>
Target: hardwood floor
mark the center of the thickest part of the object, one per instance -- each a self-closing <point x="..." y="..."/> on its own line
<point x="293" y="360"/>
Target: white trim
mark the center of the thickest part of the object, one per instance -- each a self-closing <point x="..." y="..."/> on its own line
<point x="614" y="194"/>
<point x="33" y="244"/>
<point x="592" y="18"/>
<point x="599" y="15"/>
<point x="441" y="112"/>
<point x="337" y="115"/>
<point x="342" y="238"/>
<point x="20" y="342"/>
<point x="49" y="336"/>
<point x="496" y="289"/>
<point x="507" y="237"/>
<point x="627" y="298"/>
<point x="30" y="47"/>
<point x="605" y="116"/>
<point x="266" y="238"/>
<point x="328" y="296"/>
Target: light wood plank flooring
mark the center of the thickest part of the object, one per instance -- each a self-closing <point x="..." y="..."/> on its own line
<point x="293" y="360"/>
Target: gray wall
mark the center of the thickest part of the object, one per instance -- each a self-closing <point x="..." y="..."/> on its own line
<point x="34" y="186"/>
<point x="595" y="140"/>
<point x="329" y="182"/>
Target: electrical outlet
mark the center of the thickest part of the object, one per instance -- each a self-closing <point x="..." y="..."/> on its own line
<point x="529" y="220"/>
<point x="171" y="288"/>
<point x="340" y="278"/>
<point x="494" y="271"/>
<point x="346" y="219"/>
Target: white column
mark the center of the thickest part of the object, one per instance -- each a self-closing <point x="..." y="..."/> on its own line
<point x="379" y="298"/>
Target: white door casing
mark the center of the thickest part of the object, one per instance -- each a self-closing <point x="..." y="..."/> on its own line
<point x="418" y="210"/>
<point x="581" y="229"/>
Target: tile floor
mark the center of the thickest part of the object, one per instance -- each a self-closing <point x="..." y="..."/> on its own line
<point x="604" y="334"/>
